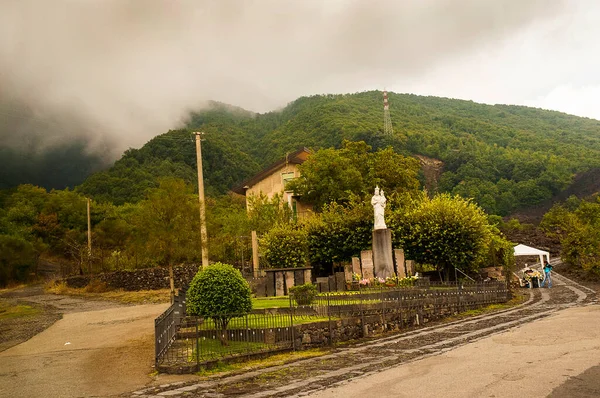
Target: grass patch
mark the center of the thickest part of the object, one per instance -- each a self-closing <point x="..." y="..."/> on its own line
<point x="259" y="321"/>
<point x="8" y="311"/>
<point x="12" y="286"/>
<point x="212" y="348"/>
<point x="98" y="292"/>
<point x="518" y="299"/>
<point x="270" y="302"/>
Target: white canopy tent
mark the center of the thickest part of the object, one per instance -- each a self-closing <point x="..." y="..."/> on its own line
<point x="522" y="250"/>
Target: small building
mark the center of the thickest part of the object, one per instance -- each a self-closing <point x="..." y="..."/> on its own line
<point x="271" y="181"/>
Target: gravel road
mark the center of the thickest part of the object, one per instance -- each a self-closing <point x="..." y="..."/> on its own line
<point x="96" y="349"/>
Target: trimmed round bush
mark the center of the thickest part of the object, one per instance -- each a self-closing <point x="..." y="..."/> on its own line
<point x="219" y="292"/>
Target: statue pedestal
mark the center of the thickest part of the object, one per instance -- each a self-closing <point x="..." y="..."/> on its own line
<point x="383" y="263"/>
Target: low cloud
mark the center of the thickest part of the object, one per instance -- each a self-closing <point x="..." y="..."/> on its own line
<point x="118" y="72"/>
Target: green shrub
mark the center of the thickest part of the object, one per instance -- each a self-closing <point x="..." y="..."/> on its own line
<point x="221" y="293"/>
<point x="304" y="294"/>
<point x="285" y="247"/>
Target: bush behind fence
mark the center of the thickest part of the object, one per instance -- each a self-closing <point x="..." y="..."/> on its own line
<point x="184" y="344"/>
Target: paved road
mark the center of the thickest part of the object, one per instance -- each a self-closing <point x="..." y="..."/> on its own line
<point x="526" y="351"/>
<point x="528" y="361"/>
<point x="96" y="349"/>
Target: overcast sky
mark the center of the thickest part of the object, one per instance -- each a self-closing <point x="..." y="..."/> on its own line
<point x="123" y="71"/>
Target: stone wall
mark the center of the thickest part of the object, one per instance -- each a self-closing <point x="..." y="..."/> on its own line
<point x="143" y="279"/>
<point x="320" y="334"/>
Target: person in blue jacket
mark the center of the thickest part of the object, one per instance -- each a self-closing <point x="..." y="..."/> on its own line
<point x="547" y="276"/>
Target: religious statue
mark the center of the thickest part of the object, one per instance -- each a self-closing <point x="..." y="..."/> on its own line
<point x="378" y="202"/>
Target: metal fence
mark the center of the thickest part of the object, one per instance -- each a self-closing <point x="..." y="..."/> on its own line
<point x="184" y="344"/>
<point x="166" y="327"/>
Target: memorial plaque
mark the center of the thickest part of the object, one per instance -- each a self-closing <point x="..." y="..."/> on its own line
<point x="279" y="284"/>
<point x="356" y="265"/>
<point x="298" y="278"/>
<point x="270" y="284"/>
<point x="340" y="281"/>
<point x="289" y="280"/>
<point x="308" y="275"/>
<point x="323" y="284"/>
<point x="400" y="268"/>
<point x="348" y="272"/>
<point x="332" y="284"/>
<point x="366" y="260"/>
<point x="410" y="267"/>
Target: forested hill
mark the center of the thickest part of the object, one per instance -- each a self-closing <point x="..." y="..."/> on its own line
<point x="506" y="157"/>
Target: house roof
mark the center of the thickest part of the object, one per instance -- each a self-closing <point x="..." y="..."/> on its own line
<point x="297" y="157"/>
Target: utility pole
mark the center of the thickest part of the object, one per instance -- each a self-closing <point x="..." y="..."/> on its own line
<point x="89" y="236"/>
<point x="203" y="235"/>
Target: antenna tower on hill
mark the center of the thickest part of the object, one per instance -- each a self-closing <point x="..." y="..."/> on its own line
<point x="387" y="120"/>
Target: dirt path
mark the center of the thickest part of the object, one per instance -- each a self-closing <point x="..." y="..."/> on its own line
<point x="98" y="348"/>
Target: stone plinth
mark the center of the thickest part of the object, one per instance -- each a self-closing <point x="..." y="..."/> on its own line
<point x="400" y="268"/>
<point x="366" y="260"/>
<point x="383" y="263"/>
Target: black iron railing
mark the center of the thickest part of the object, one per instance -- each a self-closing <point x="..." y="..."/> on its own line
<point x="190" y="342"/>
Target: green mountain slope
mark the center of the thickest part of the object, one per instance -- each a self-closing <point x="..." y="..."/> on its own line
<point x="506" y="157"/>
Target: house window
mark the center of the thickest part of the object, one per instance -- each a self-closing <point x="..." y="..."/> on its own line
<point x="287" y="177"/>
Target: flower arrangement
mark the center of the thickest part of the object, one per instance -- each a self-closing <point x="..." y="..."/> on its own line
<point x="378" y="281"/>
<point x="355" y="277"/>
<point x="532" y="274"/>
<point x="407" y="281"/>
<point x="364" y="282"/>
<point x="390" y="281"/>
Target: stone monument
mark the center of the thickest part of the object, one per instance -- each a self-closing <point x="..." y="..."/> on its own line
<point x="383" y="263"/>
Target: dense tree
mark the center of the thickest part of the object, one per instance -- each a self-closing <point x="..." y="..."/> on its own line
<point x="447" y="232"/>
<point x="167" y="225"/>
<point x="577" y="224"/>
<point x="285" y="246"/>
<point x="331" y="175"/>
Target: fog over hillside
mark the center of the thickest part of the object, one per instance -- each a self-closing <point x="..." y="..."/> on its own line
<point x="117" y="72"/>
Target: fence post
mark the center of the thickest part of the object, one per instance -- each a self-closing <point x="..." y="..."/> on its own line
<point x="292" y="323"/>
<point x="329" y="317"/>
<point x="399" y="309"/>
<point x="382" y="308"/>
<point x="156" y="343"/>
<point x="247" y="334"/>
<point x="362" y="313"/>
<point x="197" y="345"/>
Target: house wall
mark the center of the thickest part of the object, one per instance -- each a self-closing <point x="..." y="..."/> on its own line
<point x="273" y="184"/>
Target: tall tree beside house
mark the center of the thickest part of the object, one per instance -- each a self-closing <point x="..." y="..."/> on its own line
<point x="167" y="225"/>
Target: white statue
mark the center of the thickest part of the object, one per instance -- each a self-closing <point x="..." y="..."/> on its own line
<point x="378" y="202"/>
